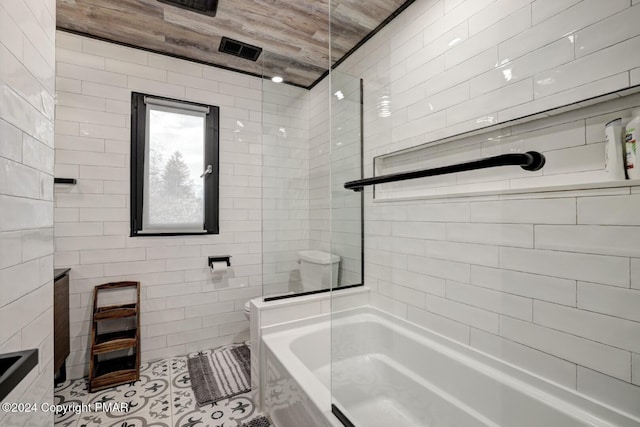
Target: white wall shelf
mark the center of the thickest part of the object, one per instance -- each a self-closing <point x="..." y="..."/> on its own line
<point x="571" y="138"/>
<point x="540" y="192"/>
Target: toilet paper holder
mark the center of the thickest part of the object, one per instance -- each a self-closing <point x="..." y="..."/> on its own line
<point x="226" y="258"/>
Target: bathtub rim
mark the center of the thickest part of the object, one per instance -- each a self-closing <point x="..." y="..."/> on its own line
<point x="281" y="336"/>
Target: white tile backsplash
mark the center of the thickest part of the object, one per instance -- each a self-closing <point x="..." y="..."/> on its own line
<point x="561" y="24"/>
<point x="573" y="95"/>
<point x="598" y="65"/>
<point x="634" y="76"/>
<point x="420" y="282"/>
<point x="544" y="364"/>
<point x="562" y="211"/>
<point x="508" y="96"/>
<point x="614" y="210"/>
<point x="391" y="305"/>
<point x="406" y="295"/>
<point x="419" y="230"/>
<point x="613" y="301"/>
<point x="545" y="9"/>
<point x="608" y="32"/>
<point x="86" y="74"/>
<point x="548" y="57"/>
<point x="10" y="249"/>
<point x="575" y="266"/>
<point x="603" y="358"/>
<point x="469" y="253"/>
<point x="635" y="273"/>
<point x="593" y="239"/>
<point x="504" y="29"/>
<point x="498" y="302"/>
<point x="520" y="235"/>
<point x="11" y="137"/>
<point x="494" y="13"/>
<point x="593" y="326"/>
<point x="438" y="101"/>
<point x="439" y="268"/>
<point x="463" y="313"/>
<point x="442" y="325"/>
<point x="545" y="288"/>
<point x="435" y="48"/>
<point x="450" y="212"/>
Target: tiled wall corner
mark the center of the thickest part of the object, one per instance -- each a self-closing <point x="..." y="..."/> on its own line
<point x="27" y="82"/>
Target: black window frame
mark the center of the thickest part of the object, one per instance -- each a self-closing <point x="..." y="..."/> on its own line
<point x="211" y="157"/>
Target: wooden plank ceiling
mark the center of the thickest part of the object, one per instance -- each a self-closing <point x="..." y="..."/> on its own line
<point x="293" y="33"/>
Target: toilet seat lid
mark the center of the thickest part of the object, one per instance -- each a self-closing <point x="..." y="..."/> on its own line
<point x="318" y="257"/>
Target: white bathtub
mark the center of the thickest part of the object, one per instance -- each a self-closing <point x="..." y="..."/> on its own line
<point x="388" y="372"/>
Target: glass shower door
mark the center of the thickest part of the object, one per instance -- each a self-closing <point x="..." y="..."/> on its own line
<point x="346" y="234"/>
<point x="346" y="227"/>
<point x="285" y="180"/>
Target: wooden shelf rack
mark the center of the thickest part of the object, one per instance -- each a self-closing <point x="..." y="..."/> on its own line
<point x="110" y="372"/>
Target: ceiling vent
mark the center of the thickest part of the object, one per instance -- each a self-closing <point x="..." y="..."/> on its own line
<point x="206" y="7"/>
<point x="236" y="48"/>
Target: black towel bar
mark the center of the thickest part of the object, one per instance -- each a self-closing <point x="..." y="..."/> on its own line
<point x="531" y="161"/>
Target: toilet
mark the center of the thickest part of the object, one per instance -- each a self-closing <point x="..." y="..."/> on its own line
<point x="318" y="270"/>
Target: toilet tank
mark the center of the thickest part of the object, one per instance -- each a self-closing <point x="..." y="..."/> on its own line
<point x="318" y="270"/>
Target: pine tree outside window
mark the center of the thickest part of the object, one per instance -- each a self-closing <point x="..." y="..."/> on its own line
<point x="174" y="167"/>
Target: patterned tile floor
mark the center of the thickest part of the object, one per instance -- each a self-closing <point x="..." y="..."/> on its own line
<point x="161" y="398"/>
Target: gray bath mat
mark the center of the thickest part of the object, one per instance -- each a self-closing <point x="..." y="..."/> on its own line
<point x="258" y="422"/>
<point x="221" y="373"/>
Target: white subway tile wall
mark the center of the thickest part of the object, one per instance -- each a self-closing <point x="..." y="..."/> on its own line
<point x="524" y="66"/>
<point x="27" y="91"/>
<point x="547" y="281"/>
<point x="184" y="308"/>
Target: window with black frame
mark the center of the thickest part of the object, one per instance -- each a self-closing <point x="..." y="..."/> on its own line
<point x="174" y="167"/>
